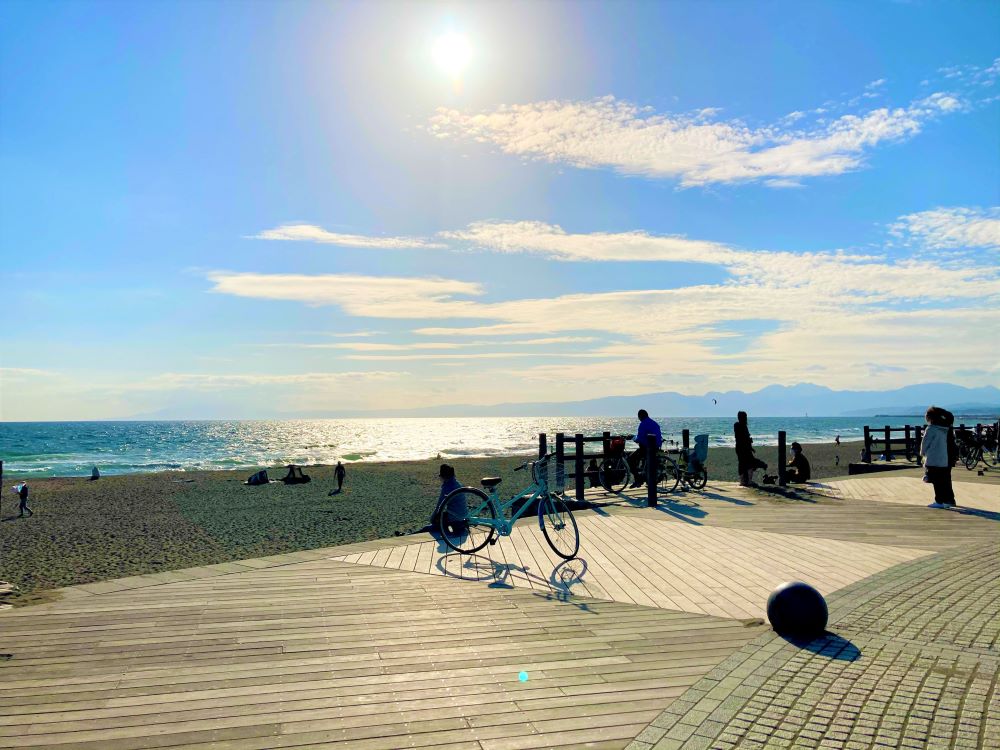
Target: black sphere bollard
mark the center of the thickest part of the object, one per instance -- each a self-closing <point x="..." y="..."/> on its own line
<point x="797" y="609"/>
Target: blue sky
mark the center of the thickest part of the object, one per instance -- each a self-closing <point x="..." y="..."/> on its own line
<point x="246" y="209"/>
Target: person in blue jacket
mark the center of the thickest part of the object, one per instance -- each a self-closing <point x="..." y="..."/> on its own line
<point x="647" y="427"/>
<point x="449" y="483"/>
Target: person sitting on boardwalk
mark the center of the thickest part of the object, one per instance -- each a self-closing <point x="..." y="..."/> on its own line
<point x="449" y="483"/>
<point x="798" y="467"/>
<point x="747" y="461"/>
<point x="939" y="453"/>
<point x="647" y="427"/>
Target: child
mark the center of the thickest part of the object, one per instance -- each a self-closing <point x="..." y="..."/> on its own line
<point x="938" y="451"/>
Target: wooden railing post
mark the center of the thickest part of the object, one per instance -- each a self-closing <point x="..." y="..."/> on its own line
<point x="605" y="443"/>
<point x="782" y="459"/>
<point x="907" y="443"/>
<point x="867" y="453"/>
<point x="918" y="439"/>
<point x="578" y="466"/>
<point x="888" y="443"/>
<point x="560" y="457"/>
<point x="651" y="470"/>
<point x="543" y="446"/>
<point x="686" y="439"/>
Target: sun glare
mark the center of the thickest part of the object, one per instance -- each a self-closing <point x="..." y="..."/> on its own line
<point x="452" y="53"/>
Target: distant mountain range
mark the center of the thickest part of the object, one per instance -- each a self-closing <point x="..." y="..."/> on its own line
<point x="772" y="401"/>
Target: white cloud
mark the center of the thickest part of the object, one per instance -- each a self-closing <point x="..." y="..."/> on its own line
<point x="372" y="296"/>
<point x="312" y="233"/>
<point x="943" y="228"/>
<point x="211" y="382"/>
<point x="608" y="133"/>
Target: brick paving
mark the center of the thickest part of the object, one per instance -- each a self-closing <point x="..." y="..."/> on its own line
<point x="911" y="660"/>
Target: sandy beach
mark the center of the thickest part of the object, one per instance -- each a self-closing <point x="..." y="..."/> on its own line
<point x="85" y="531"/>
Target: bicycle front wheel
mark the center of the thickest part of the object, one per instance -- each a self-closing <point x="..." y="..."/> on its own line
<point x="467" y="520"/>
<point x="698" y="478"/>
<point x="970" y="459"/>
<point x="613" y="474"/>
<point x="559" y="526"/>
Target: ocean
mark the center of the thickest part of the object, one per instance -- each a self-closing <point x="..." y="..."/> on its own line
<point x="56" y="449"/>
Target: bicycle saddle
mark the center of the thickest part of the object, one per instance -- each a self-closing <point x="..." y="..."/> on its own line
<point x="490" y="481"/>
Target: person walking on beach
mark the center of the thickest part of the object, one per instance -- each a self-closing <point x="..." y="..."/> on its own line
<point x="647" y="427"/>
<point x="22" y="494"/>
<point x="746" y="460"/>
<point x="939" y="452"/>
<point x="340" y="472"/>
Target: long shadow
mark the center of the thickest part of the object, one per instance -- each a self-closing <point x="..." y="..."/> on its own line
<point x="564" y="576"/>
<point x="9" y="518"/>
<point x="829" y="644"/>
<point x="725" y="498"/>
<point x="989" y="515"/>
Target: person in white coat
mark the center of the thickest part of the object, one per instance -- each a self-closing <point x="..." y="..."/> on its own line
<point x="937" y="451"/>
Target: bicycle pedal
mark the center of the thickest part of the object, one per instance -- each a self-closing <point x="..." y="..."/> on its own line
<point x="493" y="540"/>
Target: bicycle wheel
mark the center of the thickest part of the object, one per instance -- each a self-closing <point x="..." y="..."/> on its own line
<point x="467" y="520"/>
<point x="670" y="477"/>
<point x="970" y="458"/>
<point x="991" y="458"/>
<point x="614" y="474"/>
<point x="698" y="478"/>
<point x="559" y="526"/>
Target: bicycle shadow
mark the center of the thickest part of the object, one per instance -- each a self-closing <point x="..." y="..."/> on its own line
<point x="560" y="582"/>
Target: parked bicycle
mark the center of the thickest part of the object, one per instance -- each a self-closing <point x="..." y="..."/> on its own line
<point x="615" y="475"/>
<point x="689" y="467"/>
<point x="972" y="449"/>
<point x="469" y="518"/>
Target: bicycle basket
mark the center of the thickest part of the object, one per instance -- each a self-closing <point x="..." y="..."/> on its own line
<point x="616" y="445"/>
<point x="543" y="472"/>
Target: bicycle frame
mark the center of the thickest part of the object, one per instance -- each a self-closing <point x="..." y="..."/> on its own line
<point x="503" y="525"/>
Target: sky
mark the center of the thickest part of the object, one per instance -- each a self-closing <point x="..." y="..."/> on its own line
<point x="238" y="210"/>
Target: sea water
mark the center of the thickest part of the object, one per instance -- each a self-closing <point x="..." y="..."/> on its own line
<point x="73" y="448"/>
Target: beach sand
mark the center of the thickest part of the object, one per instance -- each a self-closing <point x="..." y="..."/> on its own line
<point x="118" y="526"/>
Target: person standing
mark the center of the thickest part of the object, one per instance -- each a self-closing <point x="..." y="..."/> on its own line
<point x="647" y="427"/>
<point x="939" y="452"/>
<point x="340" y="473"/>
<point x="22" y="494"/>
<point x="746" y="460"/>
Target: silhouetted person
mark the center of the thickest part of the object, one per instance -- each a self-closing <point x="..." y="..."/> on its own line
<point x="22" y="494"/>
<point x="647" y="427"/>
<point x="747" y="462"/>
<point x="340" y="472"/>
<point x="449" y="483"/>
<point x="940" y="452"/>
<point x="798" y="467"/>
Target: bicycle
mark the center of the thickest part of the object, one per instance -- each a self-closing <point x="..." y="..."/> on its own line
<point x="615" y="475"/>
<point x="689" y="468"/>
<point x="973" y="449"/>
<point x="469" y="518"/>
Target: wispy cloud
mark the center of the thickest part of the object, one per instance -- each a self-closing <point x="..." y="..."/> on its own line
<point x="947" y="228"/>
<point x="620" y="135"/>
<point x="207" y="381"/>
<point x="313" y="233"/>
<point x="371" y="296"/>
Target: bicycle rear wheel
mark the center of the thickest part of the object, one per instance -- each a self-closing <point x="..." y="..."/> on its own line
<point x="669" y="477"/>
<point x="467" y="520"/>
<point x="559" y="526"/>
<point x="970" y="458"/>
<point x="991" y="458"/>
<point x="614" y="474"/>
<point x="698" y="478"/>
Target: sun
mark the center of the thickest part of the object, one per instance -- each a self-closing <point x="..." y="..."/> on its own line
<point x="452" y="53"/>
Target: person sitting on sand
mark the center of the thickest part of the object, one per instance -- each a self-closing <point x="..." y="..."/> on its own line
<point x="592" y="473"/>
<point x="798" y="467"/>
<point x="449" y="483"/>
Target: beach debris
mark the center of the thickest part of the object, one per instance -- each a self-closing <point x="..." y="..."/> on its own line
<point x="295" y="475"/>
<point x="259" y="478"/>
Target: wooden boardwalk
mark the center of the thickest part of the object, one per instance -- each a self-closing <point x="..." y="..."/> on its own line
<point x="383" y="645"/>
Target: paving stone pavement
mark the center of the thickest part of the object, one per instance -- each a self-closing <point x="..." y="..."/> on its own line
<point x="911" y="660"/>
